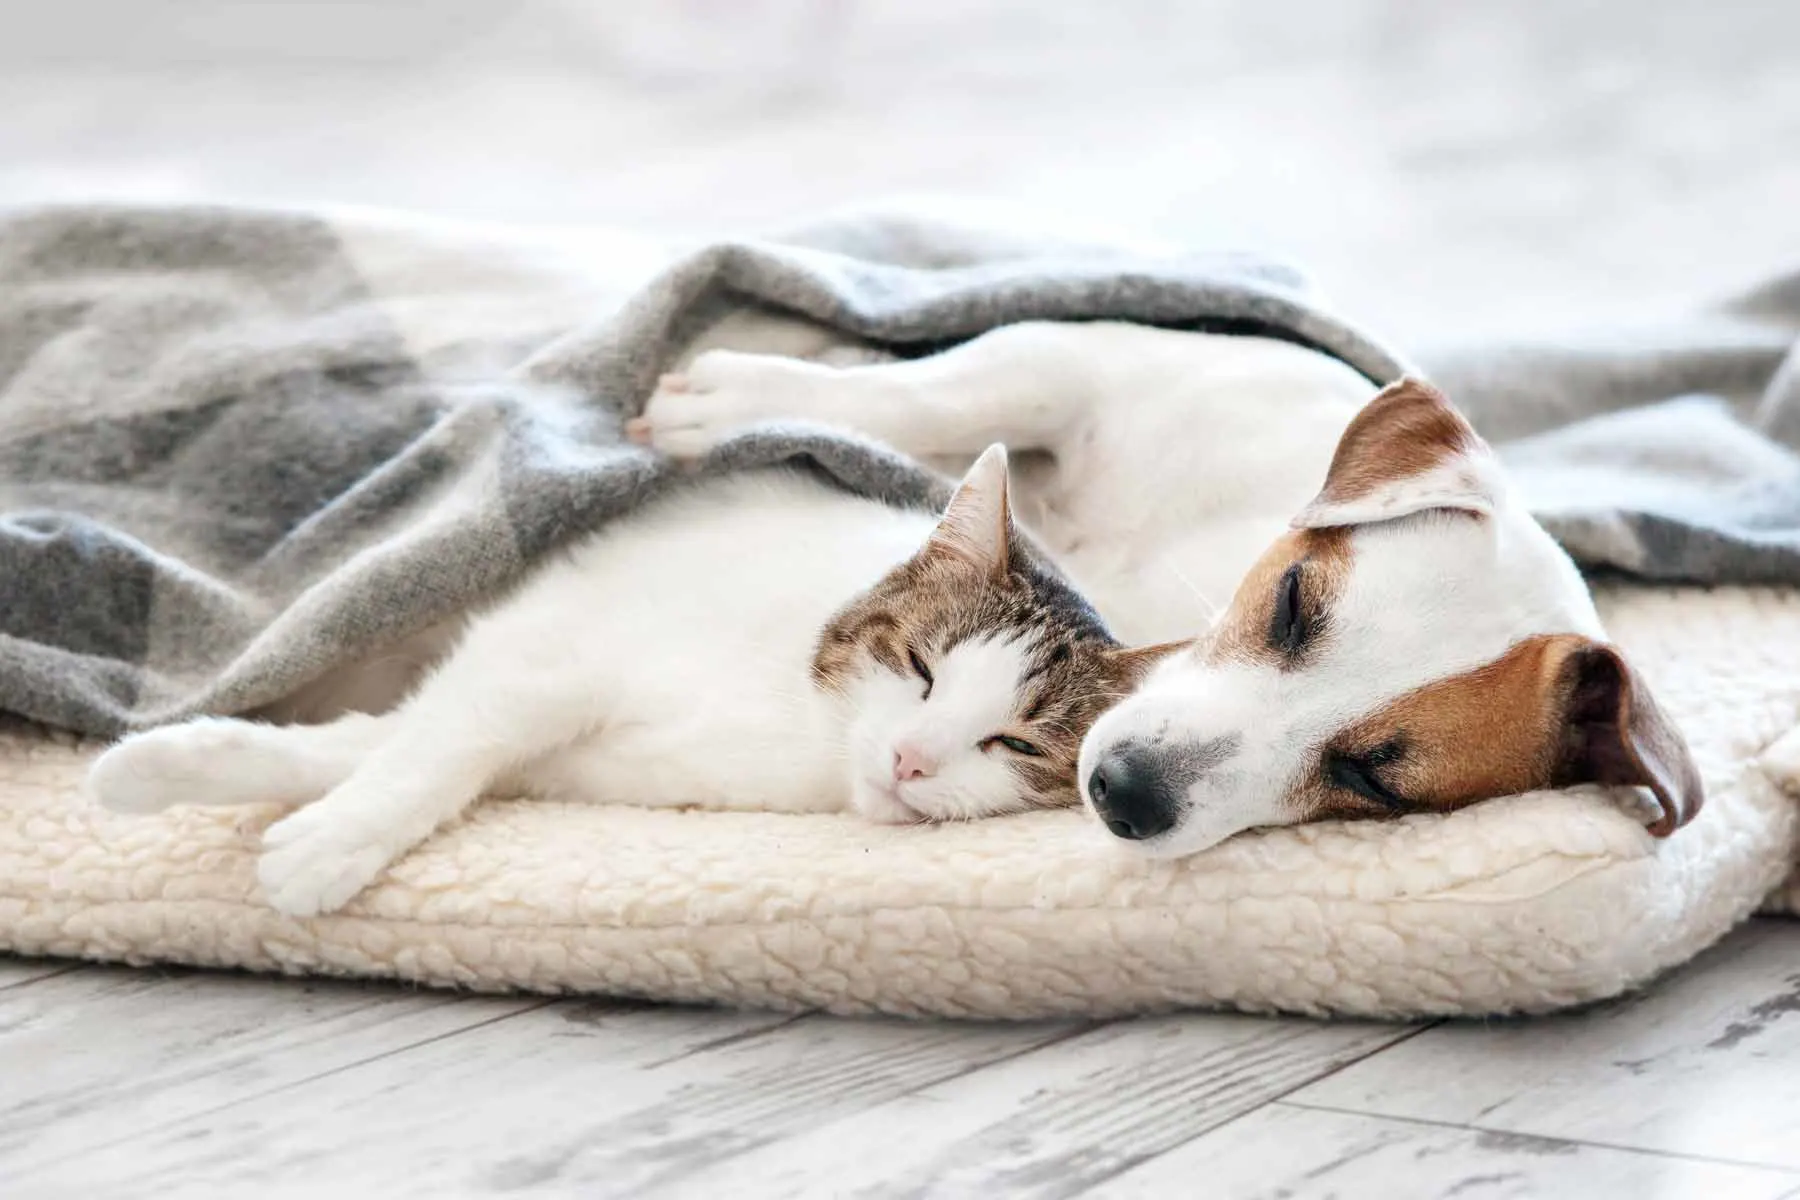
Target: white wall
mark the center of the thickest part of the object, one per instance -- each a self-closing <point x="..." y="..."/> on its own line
<point x="1446" y="167"/>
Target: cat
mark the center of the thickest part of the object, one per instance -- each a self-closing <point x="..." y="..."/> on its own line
<point x="756" y="641"/>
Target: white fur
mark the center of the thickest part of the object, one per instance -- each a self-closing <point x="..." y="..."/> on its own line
<point x="1175" y="459"/>
<point x="664" y="661"/>
<point x="1430" y="596"/>
<point x="1466" y="483"/>
<point x="974" y="692"/>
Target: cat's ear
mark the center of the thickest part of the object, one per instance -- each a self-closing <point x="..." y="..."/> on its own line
<point x="977" y="527"/>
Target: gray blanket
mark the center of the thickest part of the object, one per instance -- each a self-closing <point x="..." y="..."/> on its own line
<point x="239" y="447"/>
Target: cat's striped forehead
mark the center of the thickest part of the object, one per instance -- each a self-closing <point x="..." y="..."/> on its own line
<point x="1066" y="667"/>
<point x="937" y="602"/>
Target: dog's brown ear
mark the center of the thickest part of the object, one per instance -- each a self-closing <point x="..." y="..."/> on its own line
<point x="1614" y="734"/>
<point x="1407" y="451"/>
<point x="1131" y="663"/>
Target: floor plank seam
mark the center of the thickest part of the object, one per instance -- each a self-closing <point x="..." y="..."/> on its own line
<point x="251" y="1097"/>
<point x="50" y="974"/>
<point x="731" y="1039"/>
<point x="1078" y="1030"/>
<point x="1677" y="1155"/>
<point x="1277" y="1098"/>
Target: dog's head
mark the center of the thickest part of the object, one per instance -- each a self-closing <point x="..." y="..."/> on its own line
<point x="1415" y="643"/>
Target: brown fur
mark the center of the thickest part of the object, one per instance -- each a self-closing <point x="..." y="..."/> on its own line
<point x="939" y="598"/>
<point x="1324" y="557"/>
<point x="1406" y="430"/>
<point x="1488" y="732"/>
<point x="1553" y="711"/>
<point x="1616" y="733"/>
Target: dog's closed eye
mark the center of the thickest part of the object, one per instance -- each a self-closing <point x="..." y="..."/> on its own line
<point x="1361" y="773"/>
<point x="1289" y="627"/>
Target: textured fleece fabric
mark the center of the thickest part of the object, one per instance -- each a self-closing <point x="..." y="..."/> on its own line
<point x="1525" y="904"/>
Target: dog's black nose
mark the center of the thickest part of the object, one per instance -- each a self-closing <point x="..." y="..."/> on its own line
<point x="1131" y="793"/>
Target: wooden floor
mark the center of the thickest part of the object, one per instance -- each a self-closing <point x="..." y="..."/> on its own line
<point x="1448" y="170"/>
<point x="120" y="1082"/>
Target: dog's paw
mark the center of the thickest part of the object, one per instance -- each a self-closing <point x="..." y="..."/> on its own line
<point x="193" y="763"/>
<point x="718" y="395"/>
<point x="315" y="861"/>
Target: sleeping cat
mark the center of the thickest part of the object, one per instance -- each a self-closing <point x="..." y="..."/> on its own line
<point x="759" y="641"/>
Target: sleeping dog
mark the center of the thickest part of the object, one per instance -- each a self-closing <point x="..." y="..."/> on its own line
<point x="1401" y="636"/>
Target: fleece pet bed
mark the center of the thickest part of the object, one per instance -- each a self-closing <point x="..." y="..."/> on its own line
<point x="237" y="448"/>
<point x="1524" y="904"/>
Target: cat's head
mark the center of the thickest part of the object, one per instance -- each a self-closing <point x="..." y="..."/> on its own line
<point x="970" y="672"/>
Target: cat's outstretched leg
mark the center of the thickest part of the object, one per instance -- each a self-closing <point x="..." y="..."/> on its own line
<point x="1026" y="385"/>
<point x="494" y="705"/>
<point x="217" y="761"/>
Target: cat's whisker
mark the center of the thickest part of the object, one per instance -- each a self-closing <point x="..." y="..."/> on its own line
<point x="1212" y="609"/>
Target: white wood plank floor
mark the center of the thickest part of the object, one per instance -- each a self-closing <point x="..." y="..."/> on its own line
<point x="120" y="1082"/>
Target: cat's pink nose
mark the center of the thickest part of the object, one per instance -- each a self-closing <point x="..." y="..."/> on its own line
<point x="910" y="762"/>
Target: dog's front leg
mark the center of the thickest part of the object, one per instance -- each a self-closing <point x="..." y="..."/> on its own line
<point x="1025" y="385"/>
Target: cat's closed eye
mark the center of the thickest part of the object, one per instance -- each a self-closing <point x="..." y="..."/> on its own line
<point x="1016" y="745"/>
<point x="921" y="670"/>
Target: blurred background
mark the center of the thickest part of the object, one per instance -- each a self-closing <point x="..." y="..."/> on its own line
<point x="1460" y="167"/>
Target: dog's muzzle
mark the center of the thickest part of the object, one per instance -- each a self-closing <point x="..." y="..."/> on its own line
<point x="1139" y="790"/>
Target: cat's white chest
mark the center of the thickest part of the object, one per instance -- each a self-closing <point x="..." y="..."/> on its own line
<point x="691" y="631"/>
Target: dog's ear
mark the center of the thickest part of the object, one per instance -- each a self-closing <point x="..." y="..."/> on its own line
<point x="1614" y="734"/>
<point x="1132" y="663"/>
<point x="1406" y="451"/>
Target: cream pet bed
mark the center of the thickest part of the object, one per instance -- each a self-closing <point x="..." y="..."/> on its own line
<point x="1525" y="904"/>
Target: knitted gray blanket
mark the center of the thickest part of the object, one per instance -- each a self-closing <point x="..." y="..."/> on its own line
<point x="240" y="447"/>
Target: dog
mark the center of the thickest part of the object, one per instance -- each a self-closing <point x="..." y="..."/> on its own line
<point x="1401" y="635"/>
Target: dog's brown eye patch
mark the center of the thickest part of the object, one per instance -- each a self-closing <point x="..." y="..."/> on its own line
<point x="1365" y="774"/>
<point x="1491" y="731"/>
<point x="1284" y="604"/>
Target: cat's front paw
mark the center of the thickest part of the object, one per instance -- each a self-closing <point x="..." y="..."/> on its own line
<point x="720" y="393"/>
<point x="179" y="764"/>
<point x="315" y="862"/>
